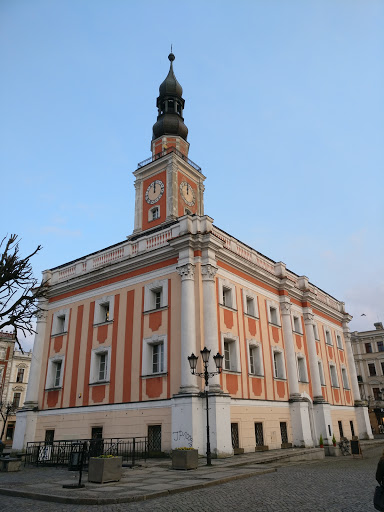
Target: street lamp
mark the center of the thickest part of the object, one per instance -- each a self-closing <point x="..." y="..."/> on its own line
<point x="206" y="375"/>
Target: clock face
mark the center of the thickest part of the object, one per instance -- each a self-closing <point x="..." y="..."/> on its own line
<point x="154" y="192"/>
<point x="187" y="193"/>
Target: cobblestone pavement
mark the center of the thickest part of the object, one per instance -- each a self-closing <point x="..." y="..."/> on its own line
<point x="333" y="485"/>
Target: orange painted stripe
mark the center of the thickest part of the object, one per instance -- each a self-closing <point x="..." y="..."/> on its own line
<point x="218" y="329"/>
<point x="295" y="301"/>
<point x="240" y="348"/>
<point x="249" y="278"/>
<point x="66" y="356"/>
<point x="116" y="279"/>
<point x="197" y="253"/>
<point x="169" y="340"/>
<point x="270" y="346"/>
<point x="112" y="378"/>
<point x="262" y="348"/>
<point x="141" y="346"/>
<point x="127" y="383"/>
<point x="245" y="344"/>
<point x="76" y="354"/>
<point x="88" y="354"/>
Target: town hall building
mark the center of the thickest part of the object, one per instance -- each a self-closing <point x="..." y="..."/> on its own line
<point x="111" y="351"/>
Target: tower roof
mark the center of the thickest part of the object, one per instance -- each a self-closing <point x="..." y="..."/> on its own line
<point x="170" y="106"/>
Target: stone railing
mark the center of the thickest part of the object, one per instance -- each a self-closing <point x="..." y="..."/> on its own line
<point x="125" y="250"/>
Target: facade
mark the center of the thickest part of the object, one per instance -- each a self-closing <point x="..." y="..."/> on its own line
<point x="111" y="351"/>
<point x="368" y="351"/>
<point x="14" y="371"/>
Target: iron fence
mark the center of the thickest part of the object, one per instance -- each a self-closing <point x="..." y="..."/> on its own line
<point x="60" y="453"/>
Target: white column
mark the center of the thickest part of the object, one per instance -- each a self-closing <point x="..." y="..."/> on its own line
<point x="35" y="373"/>
<point x="351" y="363"/>
<point x="138" y="205"/>
<point x="208" y="273"/>
<point x="188" y="326"/>
<point x="313" y="364"/>
<point x="289" y="349"/>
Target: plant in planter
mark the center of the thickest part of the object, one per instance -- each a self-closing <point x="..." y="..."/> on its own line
<point x="184" y="458"/>
<point x="334" y="440"/>
<point x="321" y="442"/>
<point x="105" y="468"/>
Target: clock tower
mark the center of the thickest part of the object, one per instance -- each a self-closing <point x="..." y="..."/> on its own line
<point x="168" y="184"/>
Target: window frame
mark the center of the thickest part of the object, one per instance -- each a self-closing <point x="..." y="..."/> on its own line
<point x="52" y="372"/>
<point x="316" y="331"/>
<point x="333" y="375"/>
<point x="302" y="371"/>
<point x="344" y="377"/>
<point x="147" y="363"/>
<point x="272" y="305"/>
<point x="94" y="373"/>
<point x="369" y="371"/>
<point x="252" y="345"/>
<point x="150" y="291"/>
<point x="60" y="322"/>
<point x="339" y="341"/>
<point x="297" y="326"/>
<point x="233" y="341"/>
<point x="99" y="314"/>
<point x="278" y="353"/>
<point x="248" y="294"/>
<point x="328" y="339"/>
<point x="231" y="290"/>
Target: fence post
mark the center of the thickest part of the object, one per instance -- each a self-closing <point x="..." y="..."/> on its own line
<point x="133" y="451"/>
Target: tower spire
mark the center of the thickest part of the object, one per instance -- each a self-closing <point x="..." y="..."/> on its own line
<point x="170" y="105"/>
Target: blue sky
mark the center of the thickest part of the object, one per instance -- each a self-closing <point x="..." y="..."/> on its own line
<point x="284" y="105"/>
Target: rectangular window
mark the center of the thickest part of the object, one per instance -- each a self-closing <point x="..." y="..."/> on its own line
<point x="154" y="439"/>
<point x="334" y="380"/>
<point x="328" y="337"/>
<point x="352" y="428"/>
<point x="20" y="375"/>
<point x="49" y="436"/>
<point x="345" y="378"/>
<point x="227" y="355"/>
<point x="102" y="366"/>
<point x="16" y="400"/>
<point x="230" y="355"/>
<point x="376" y="393"/>
<point x="10" y="431"/>
<point x="380" y="346"/>
<point x="255" y="360"/>
<point x="368" y="348"/>
<point x="302" y="369"/>
<point x="97" y="433"/>
<point x="259" y="435"/>
<point x="273" y="315"/>
<point x="341" y="432"/>
<point x="250" y="306"/>
<point x="60" y="324"/>
<point x="278" y="365"/>
<point x="339" y="342"/>
<point x="57" y="374"/>
<point x="371" y="369"/>
<point x="321" y="373"/>
<point x="104" y="309"/>
<point x="382" y="367"/>
<point x="227" y="297"/>
<point x="315" y="332"/>
<point x="296" y="324"/>
<point x="158" y="358"/>
<point x="157" y="298"/>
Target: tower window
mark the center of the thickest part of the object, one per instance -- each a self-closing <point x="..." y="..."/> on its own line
<point x="171" y="106"/>
<point x="178" y="108"/>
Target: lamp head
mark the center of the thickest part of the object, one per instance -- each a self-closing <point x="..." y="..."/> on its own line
<point x="192" y="359"/>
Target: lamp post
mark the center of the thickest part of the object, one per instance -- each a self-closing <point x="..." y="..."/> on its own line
<point x="206" y="375"/>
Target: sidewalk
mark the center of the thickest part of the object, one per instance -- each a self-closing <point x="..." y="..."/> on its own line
<point x="153" y="479"/>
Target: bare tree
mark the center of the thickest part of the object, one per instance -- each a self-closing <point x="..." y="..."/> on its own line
<point x="6" y="409"/>
<point x="19" y="290"/>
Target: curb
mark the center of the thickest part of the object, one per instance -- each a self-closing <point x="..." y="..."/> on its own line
<point x="127" y="499"/>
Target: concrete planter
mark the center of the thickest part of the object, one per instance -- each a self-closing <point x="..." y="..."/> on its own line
<point x="105" y="470"/>
<point x="10" y="464"/>
<point x="238" y="451"/>
<point x="263" y="448"/>
<point x="184" y="459"/>
<point x="286" y="445"/>
<point x="332" y="451"/>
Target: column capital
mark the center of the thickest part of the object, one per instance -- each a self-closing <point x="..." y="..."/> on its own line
<point x="208" y="272"/>
<point x="308" y="317"/>
<point x="186" y="271"/>
<point x="286" y="306"/>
